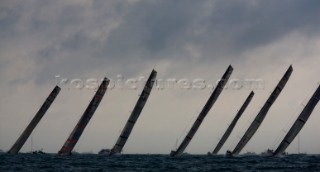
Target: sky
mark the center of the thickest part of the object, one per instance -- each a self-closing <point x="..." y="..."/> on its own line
<point x="75" y="43"/>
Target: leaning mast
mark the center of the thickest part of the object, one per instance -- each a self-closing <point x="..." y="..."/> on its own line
<point x="214" y="96"/>
<point x="263" y="112"/>
<point x="299" y="123"/>
<point x="36" y="119"/>
<point x="79" y="128"/>
<point x="117" y="148"/>
<point x="233" y="124"/>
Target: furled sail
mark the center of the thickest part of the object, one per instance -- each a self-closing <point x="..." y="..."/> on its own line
<point x="214" y="96"/>
<point x="299" y="123"/>
<point x="135" y="114"/>
<point x="26" y="133"/>
<point x="233" y="124"/>
<point x="79" y="128"/>
<point x="263" y="112"/>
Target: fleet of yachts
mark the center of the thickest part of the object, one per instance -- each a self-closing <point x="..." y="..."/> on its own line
<point x="69" y="144"/>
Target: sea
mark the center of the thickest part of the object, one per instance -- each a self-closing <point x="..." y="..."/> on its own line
<point x="94" y="162"/>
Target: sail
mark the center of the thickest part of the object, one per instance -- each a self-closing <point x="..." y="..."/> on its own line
<point x="79" y="128"/>
<point x="135" y="114"/>
<point x="214" y="96"/>
<point x="263" y="112"/>
<point x="299" y="123"/>
<point x="233" y="124"/>
<point x="34" y="122"/>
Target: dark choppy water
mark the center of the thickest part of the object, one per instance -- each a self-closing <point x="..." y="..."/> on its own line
<point x="50" y="162"/>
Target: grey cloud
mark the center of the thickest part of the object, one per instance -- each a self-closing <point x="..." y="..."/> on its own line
<point x="155" y="30"/>
<point x="153" y="27"/>
<point x="161" y="29"/>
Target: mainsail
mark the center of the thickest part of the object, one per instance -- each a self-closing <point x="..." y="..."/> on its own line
<point x="214" y="96"/>
<point x="79" y="128"/>
<point x="233" y="124"/>
<point x="26" y="133"/>
<point x="135" y="114"/>
<point x="299" y="123"/>
<point x="263" y="112"/>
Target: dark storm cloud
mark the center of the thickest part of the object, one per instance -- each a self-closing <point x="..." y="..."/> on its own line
<point x="71" y="33"/>
<point x="153" y="27"/>
<point x="160" y="29"/>
<point x="266" y="21"/>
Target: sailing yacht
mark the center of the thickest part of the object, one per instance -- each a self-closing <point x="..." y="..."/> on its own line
<point x="299" y="123"/>
<point x="232" y="125"/>
<point x="117" y="148"/>
<point x="34" y="122"/>
<point x="212" y="99"/>
<point x="262" y="114"/>
<point x="76" y="133"/>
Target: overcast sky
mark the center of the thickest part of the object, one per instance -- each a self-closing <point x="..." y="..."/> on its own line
<point x="80" y="39"/>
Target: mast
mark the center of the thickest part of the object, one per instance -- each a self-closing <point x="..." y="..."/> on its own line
<point x="36" y="119"/>
<point x="79" y="128"/>
<point x="135" y="114"/>
<point x="214" y="96"/>
<point x="299" y="123"/>
<point x="263" y="112"/>
<point x="233" y="123"/>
